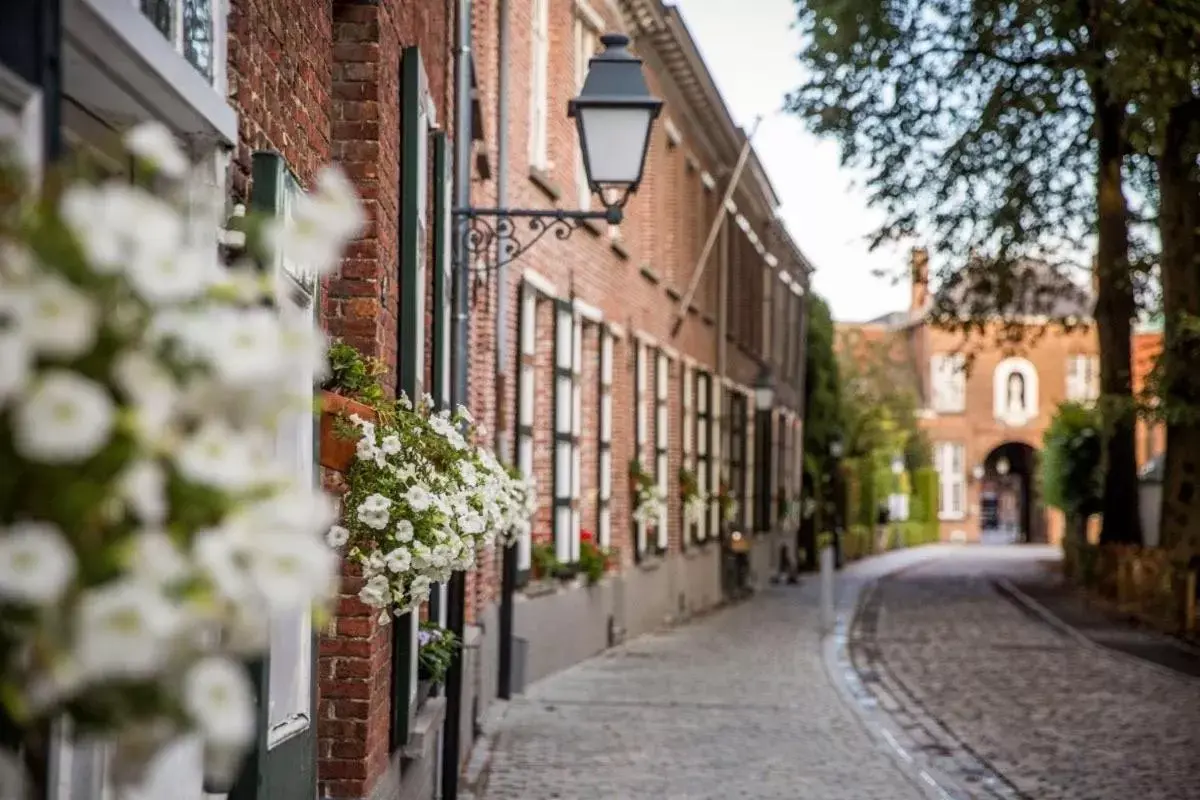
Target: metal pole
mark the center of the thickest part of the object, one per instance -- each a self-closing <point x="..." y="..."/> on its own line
<point x="508" y="569"/>
<point x="713" y="230"/>
<point x="827" y="615"/>
<point x="456" y="600"/>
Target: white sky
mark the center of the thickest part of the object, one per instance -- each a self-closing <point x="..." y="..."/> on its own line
<point x="750" y="46"/>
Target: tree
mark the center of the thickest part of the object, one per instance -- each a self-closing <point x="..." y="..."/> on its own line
<point x="1166" y="88"/>
<point x="1071" y="474"/>
<point x="880" y="397"/>
<point x="822" y="402"/>
<point x="997" y="129"/>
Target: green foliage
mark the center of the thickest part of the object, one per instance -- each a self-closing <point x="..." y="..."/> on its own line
<point x="544" y="560"/>
<point x="354" y="376"/>
<point x="593" y="560"/>
<point x="868" y="493"/>
<point x="1072" y="474"/>
<point x="436" y="651"/>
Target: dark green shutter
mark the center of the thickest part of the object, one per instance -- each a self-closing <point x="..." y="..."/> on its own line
<point x="442" y="317"/>
<point x="286" y="771"/>
<point x="414" y="97"/>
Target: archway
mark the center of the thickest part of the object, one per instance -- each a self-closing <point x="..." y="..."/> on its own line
<point x="1010" y="506"/>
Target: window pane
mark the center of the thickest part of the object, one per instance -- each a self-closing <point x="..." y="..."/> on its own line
<point x="159" y="14"/>
<point x="198" y="35"/>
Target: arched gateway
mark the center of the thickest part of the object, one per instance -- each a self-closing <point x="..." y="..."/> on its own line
<point x="1010" y="505"/>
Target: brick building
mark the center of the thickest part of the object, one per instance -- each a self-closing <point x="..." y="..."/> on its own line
<point x="985" y="407"/>
<point x="575" y="362"/>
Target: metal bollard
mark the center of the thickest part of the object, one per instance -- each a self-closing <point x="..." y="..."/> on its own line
<point x="827" y="612"/>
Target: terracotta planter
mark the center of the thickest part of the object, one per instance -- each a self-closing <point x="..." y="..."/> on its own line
<point x="337" y="453"/>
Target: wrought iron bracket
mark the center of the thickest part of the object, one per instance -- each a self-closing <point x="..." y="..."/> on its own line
<point x="495" y="237"/>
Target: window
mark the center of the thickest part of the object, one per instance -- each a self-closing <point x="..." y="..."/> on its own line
<point x="539" y="87"/>
<point x="751" y="470"/>
<point x="20" y="120"/>
<point x="189" y="25"/>
<point x="585" y="48"/>
<point x="737" y="447"/>
<point x="639" y="432"/>
<point x="713" y="484"/>
<point x="1083" y="378"/>
<point x="949" y="461"/>
<point x="703" y="443"/>
<point x="948" y="382"/>
<point x="688" y="461"/>
<point x="662" y="377"/>
<point x="604" y="497"/>
<point x="567" y="336"/>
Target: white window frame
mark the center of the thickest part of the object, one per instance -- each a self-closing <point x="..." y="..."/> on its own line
<point x="950" y="461"/>
<point x="539" y="86"/>
<point x="1083" y="378"/>
<point x="717" y="469"/>
<point x="704" y="441"/>
<point x="587" y="40"/>
<point x="565" y="442"/>
<point x="640" y="432"/>
<point x="948" y="383"/>
<point x="662" y="460"/>
<point x="748" y="508"/>
<point x="604" y="451"/>
<point x="688" y="380"/>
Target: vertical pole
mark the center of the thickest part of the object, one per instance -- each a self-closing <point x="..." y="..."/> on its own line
<point x="457" y="594"/>
<point x="508" y="567"/>
<point x="827" y="615"/>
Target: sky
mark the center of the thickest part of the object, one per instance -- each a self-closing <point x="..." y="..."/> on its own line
<point x="749" y="47"/>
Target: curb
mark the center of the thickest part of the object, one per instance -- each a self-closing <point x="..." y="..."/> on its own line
<point x="1047" y="616"/>
<point x="846" y="681"/>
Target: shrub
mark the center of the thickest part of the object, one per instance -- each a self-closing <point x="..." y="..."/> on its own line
<point x="1072" y="474"/>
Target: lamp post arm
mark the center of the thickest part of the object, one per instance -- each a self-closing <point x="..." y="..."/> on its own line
<point x="498" y="236"/>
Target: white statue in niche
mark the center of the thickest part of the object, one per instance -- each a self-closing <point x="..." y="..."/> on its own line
<point x="1015" y="391"/>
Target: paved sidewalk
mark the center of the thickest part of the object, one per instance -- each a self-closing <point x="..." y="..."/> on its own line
<point x="735" y="705"/>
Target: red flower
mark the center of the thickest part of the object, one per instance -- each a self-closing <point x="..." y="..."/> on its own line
<point x="585" y="536"/>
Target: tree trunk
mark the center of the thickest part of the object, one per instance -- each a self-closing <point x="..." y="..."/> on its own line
<point x="1179" y="227"/>
<point x="1115" y="310"/>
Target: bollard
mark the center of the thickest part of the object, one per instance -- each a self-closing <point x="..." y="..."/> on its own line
<point x="827" y="615"/>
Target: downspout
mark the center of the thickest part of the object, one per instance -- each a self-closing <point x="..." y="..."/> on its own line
<point x="460" y="332"/>
<point x="508" y="573"/>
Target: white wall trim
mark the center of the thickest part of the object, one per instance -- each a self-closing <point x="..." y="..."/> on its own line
<point x="590" y="16"/>
<point x="673" y="134"/>
<point x="707" y="179"/>
<point x="588" y="311"/>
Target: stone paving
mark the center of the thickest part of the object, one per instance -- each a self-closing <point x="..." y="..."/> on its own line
<point x="1058" y="718"/>
<point x="735" y="705"/>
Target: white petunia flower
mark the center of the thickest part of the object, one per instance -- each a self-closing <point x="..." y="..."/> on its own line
<point x="155" y="558"/>
<point x="418" y="498"/>
<point x="287" y="570"/>
<point x="217" y="695"/>
<point x="391" y="444"/>
<point x="57" y="319"/>
<point x="322" y="221"/>
<point x="216" y="455"/>
<point x="376" y="592"/>
<point x="171" y="277"/>
<point x="399" y="560"/>
<point x="151" y="390"/>
<point x="153" y="143"/>
<point x="15" y="362"/>
<point x="65" y="419"/>
<point x="404" y="531"/>
<point x="218" y="553"/>
<point x="419" y="588"/>
<point x="124" y="630"/>
<point x="143" y="487"/>
<point x="373" y="512"/>
<point x="337" y="536"/>
<point x="36" y="562"/>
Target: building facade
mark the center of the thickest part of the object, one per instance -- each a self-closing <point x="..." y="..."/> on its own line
<point x="581" y="357"/>
<point x="985" y="405"/>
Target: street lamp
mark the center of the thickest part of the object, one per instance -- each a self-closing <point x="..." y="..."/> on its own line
<point x="1002" y="466"/>
<point x="835" y="448"/>
<point x="978" y="472"/>
<point x="764" y="389"/>
<point x="614" y="114"/>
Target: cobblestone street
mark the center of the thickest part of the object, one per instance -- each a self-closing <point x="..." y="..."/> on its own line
<point x="989" y="697"/>
<point x="986" y="688"/>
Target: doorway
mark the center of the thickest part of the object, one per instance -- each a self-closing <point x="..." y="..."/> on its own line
<point x="1011" y="510"/>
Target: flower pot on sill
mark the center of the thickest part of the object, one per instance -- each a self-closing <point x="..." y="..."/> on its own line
<point x="337" y="453"/>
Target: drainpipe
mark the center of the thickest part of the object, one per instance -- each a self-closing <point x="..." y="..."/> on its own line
<point x="508" y="574"/>
<point x="456" y="600"/>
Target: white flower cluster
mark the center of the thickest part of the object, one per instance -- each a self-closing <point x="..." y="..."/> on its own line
<point x="650" y="505"/>
<point x="695" y="507"/>
<point x="423" y="502"/>
<point x="153" y="529"/>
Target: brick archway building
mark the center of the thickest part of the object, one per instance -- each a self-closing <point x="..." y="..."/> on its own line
<point x="965" y="384"/>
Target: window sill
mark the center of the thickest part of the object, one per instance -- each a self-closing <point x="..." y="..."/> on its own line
<point x="541" y="179"/>
<point x="652" y="561"/>
<point x="427" y="726"/>
<point x="674" y="294"/>
<point x="619" y="248"/>
<point x="649" y="274"/>
<point x="959" y="517"/>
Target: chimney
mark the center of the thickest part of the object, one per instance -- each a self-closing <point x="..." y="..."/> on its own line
<point x="919" y="269"/>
